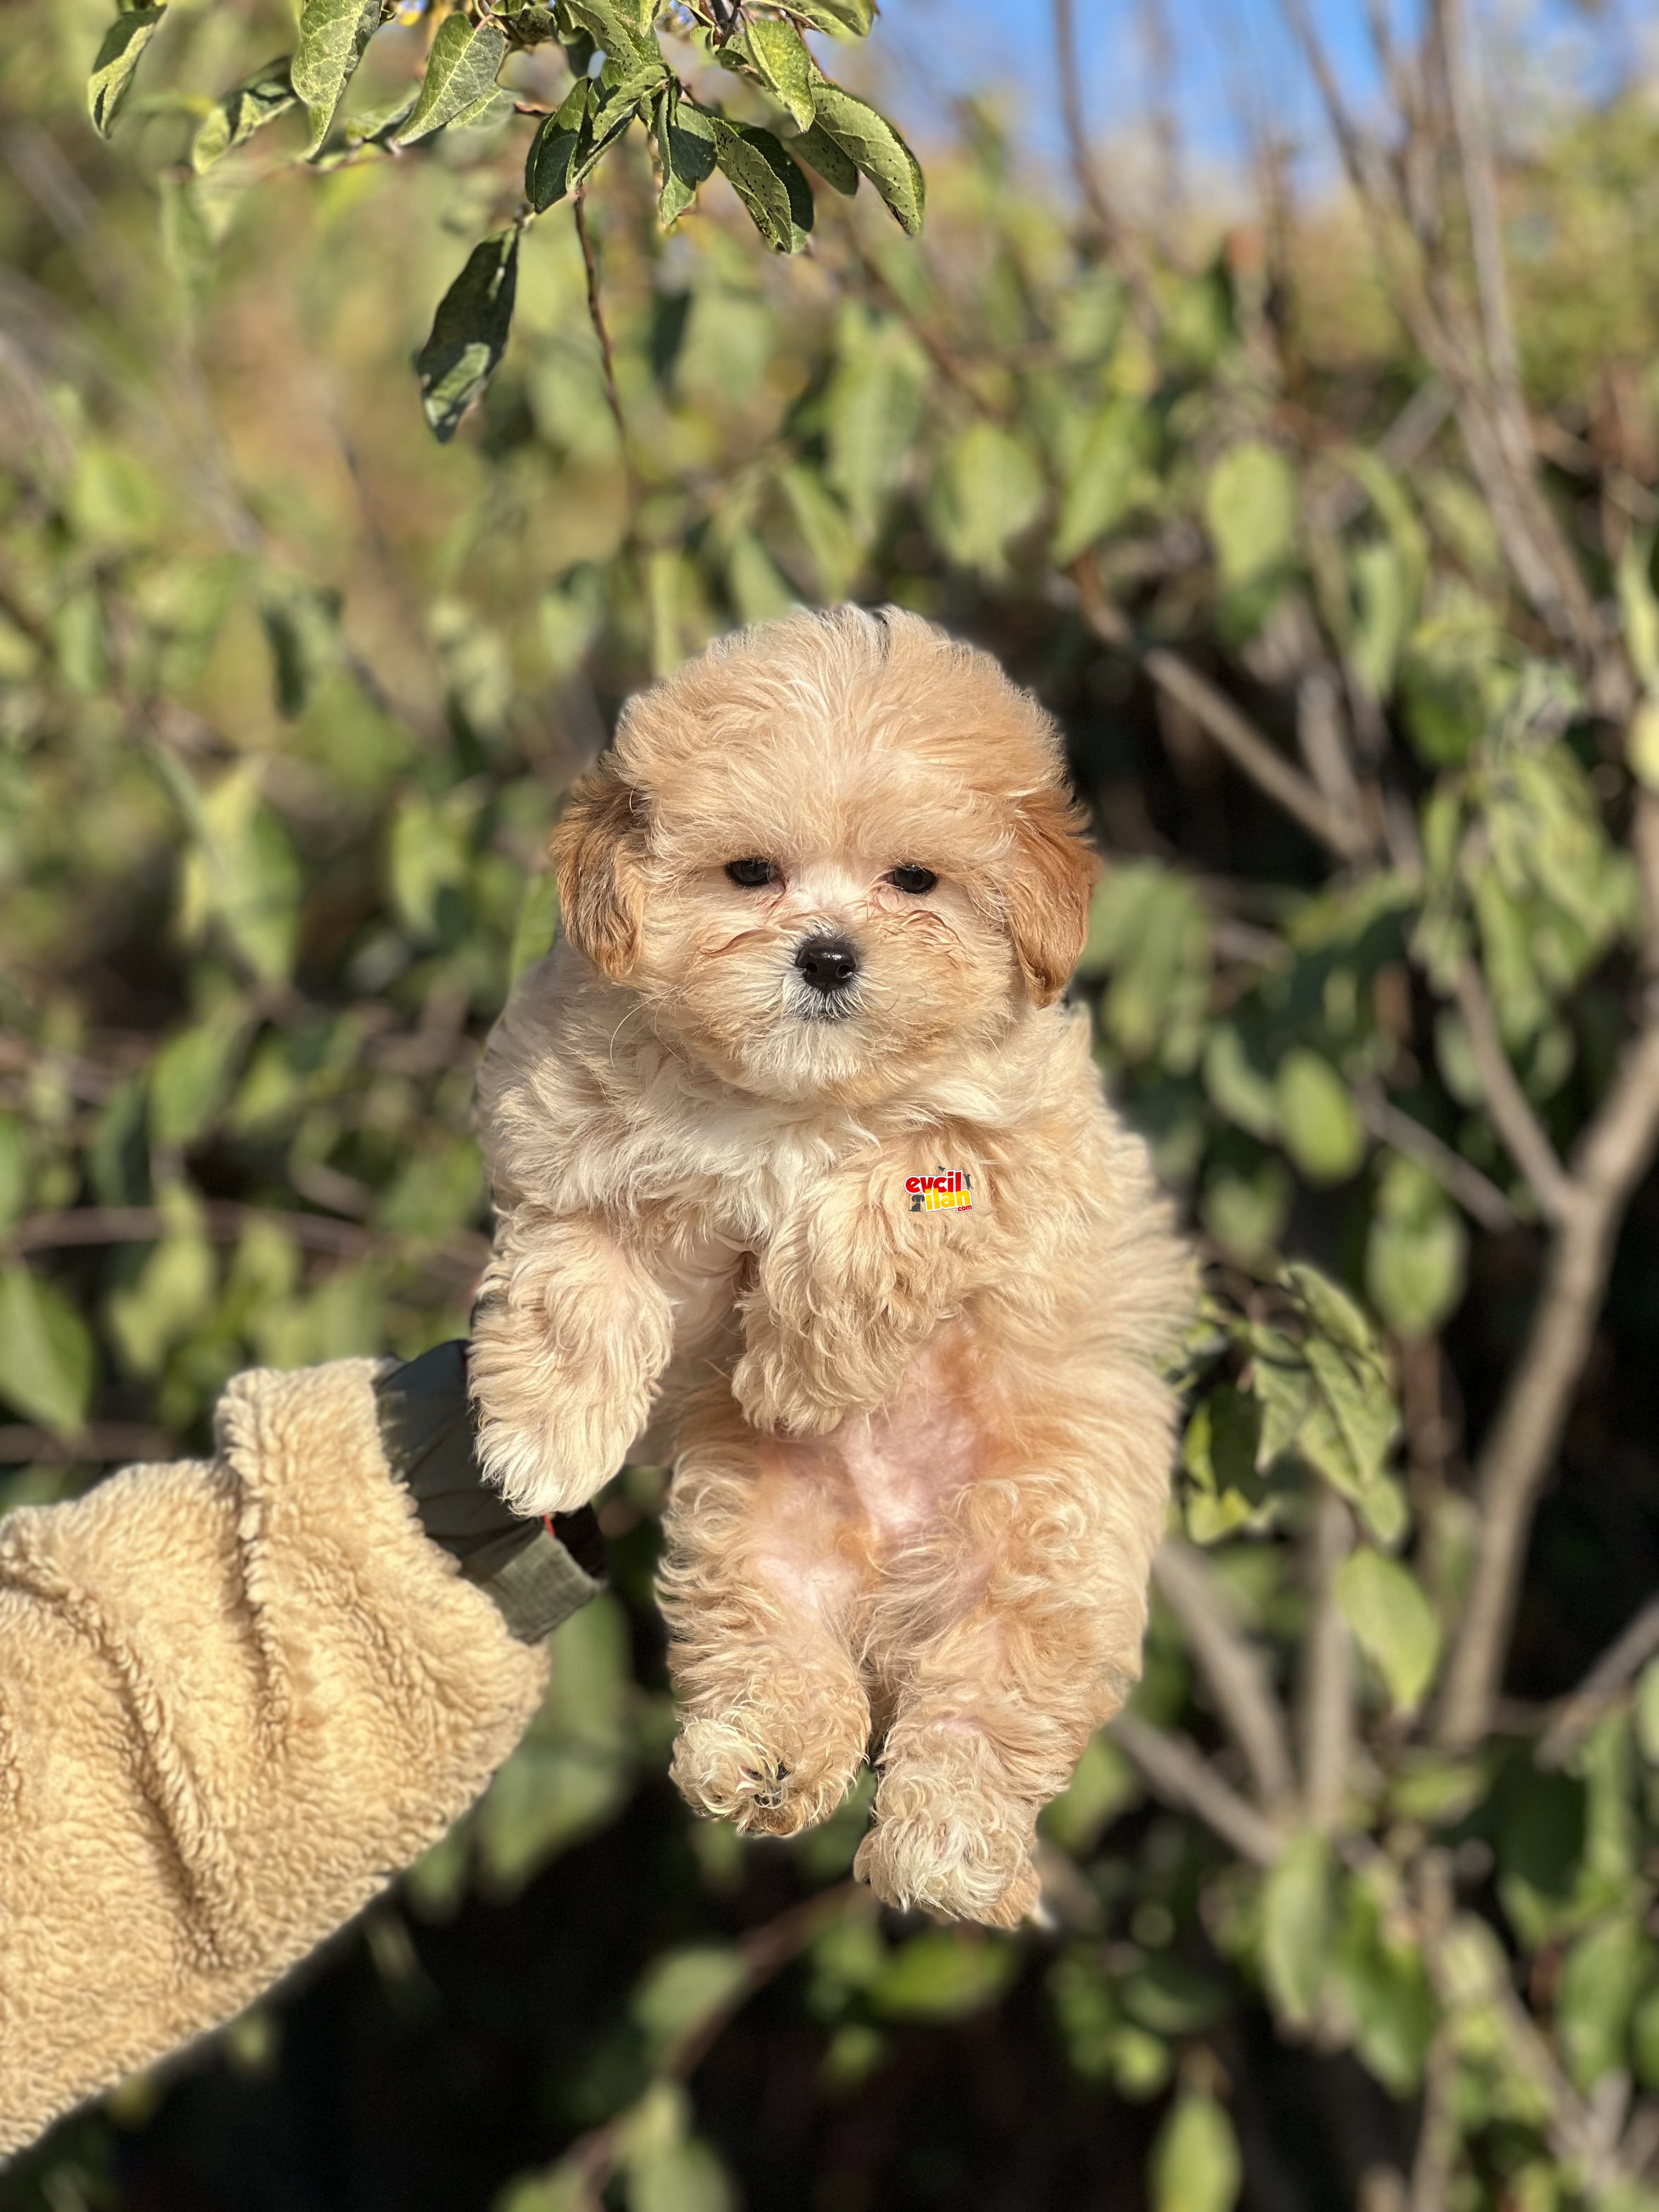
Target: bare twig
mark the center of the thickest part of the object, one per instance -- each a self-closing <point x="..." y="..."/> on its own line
<point x="596" y="315"/>
<point x="1626" y="1656"/>
<point x="1481" y="196"/>
<point x="104" y="1443"/>
<point x="462" y="1254"/>
<point x="1327" y="1699"/>
<point x="1232" y="730"/>
<point x="1234" y="1669"/>
<point x="1179" y="1773"/>
<point x="1475" y="1192"/>
<point x="1521" y="1447"/>
<point x="1079" y="153"/>
<point x="1511" y="1110"/>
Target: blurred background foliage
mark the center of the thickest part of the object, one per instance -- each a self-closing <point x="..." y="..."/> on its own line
<point x="1323" y="519"/>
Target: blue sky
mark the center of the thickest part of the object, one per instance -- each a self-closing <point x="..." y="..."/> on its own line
<point x="1226" y="52"/>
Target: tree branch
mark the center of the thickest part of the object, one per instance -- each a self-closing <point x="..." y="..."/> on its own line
<point x="106" y="1444"/>
<point x="1521" y="1447"/>
<point x="1233" y="1668"/>
<point x="1511" y="1110"/>
<point x="1579" y="1713"/>
<point x="1237" y="737"/>
<point x="462" y="1254"/>
<point x="1178" y="1772"/>
<point x="1475" y="1192"/>
<point x="1079" y="153"/>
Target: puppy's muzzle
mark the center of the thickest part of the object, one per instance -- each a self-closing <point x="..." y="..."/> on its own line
<point x="828" y="965"/>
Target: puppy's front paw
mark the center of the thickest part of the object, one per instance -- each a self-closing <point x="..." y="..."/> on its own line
<point x="775" y="1766"/>
<point x="946" y="1845"/>
<point x="552" y="1469"/>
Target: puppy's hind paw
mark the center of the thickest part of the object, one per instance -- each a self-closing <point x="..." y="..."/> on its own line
<point x="770" y="1782"/>
<point x="942" y="1848"/>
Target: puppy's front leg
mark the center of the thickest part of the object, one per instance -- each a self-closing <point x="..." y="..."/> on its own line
<point x="572" y="1333"/>
<point x="846" y="1295"/>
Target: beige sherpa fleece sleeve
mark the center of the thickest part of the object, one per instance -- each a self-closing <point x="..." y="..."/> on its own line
<point x="235" y="1698"/>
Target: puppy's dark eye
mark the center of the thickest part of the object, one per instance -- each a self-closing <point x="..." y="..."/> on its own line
<point x="911" y="878"/>
<point x="752" y="874"/>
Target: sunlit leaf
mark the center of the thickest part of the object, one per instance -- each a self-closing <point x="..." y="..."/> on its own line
<point x="46" y="1358"/>
<point x="1251" y="509"/>
<point x="1393" y="1624"/>
<point x="1195" y="2164"/>
<point x="334" y="35"/>
<point x="872" y="145"/>
<point x="117" y="58"/>
<point x="460" y="69"/>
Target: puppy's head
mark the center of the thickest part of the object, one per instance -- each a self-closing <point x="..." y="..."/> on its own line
<point x="828" y="851"/>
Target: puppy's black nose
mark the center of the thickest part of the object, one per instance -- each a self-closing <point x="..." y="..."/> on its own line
<point x="829" y="964"/>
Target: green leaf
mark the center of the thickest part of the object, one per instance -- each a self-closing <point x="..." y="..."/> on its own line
<point x="1250" y="511"/>
<point x="610" y="30"/>
<point x="943" y="1976"/>
<point x="824" y="530"/>
<point x="1297" y="1914"/>
<point x="46" y="1352"/>
<point x="1382" y="588"/>
<point x="174" y="1294"/>
<point x="469" y="333"/>
<point x="1195" y="2164"/>
<point x="989" y="489"/>
<point x="1359" y="1406"/>
<point x="240" y="871"/>
<point x="1393" y="1624"/>
<point x="783" y="65"/>
<point x="557" y="146"/>
<point x="771" y="186"/>
<point x="836" y="16"/>
<point x="819" y="151"/>
<point x="258" y="100"/>
<point x="117" y="58"/>
<point x="1238" y="1087"/>
<point x="334" y="35"/>
<point x="460" y="72"/>
<point x="1602" y="1978"/>
<point x="537" y="920"/>
<point x="1098" y="484"/>
<point x="191" y="1077"/>
<point x="686" y="149"/>
<point x="872" y="145"/>
<point x="872" y="410"/>
<point x="1415" y="1251"/>
<point x="683" y="1990"/>
<point x="1639" y="609"/>
<point x="684" y="2176"/>
<point x="1321" y="1130"/>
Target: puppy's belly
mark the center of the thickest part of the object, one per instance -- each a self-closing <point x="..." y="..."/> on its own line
<point x="895" y="1469"/>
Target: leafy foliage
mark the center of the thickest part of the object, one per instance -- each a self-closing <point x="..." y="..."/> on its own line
<point x="288" y="701"/>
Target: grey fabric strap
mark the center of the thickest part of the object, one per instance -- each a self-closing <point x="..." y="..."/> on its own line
<point x="538" y="1576"/>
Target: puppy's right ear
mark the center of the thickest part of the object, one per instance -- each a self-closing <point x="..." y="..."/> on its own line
<point x="599" y="857"/>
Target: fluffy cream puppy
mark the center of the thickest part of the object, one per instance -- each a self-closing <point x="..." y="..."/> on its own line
<point x="804" y="1179"/>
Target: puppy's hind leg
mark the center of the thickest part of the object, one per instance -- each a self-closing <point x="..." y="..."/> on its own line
<point x="762" y="1587"/>
<point x="572" y="1334"/>
<point x="1037" y="1592"/>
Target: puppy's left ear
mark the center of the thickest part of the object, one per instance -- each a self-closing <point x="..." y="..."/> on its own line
<point x="1051" y="874"/>
<point x="598" y="854"/>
